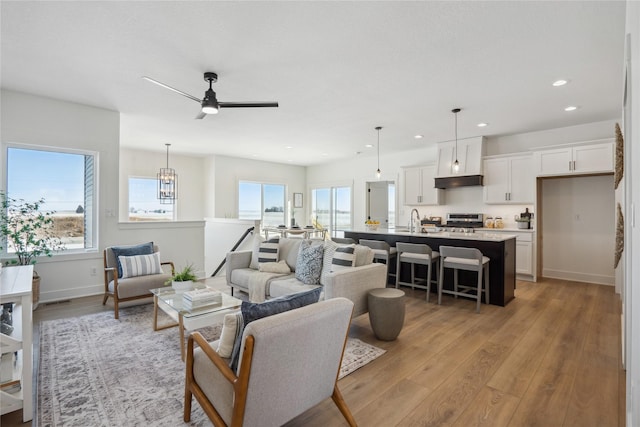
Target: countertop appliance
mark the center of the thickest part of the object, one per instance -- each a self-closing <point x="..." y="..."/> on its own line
<point x="463" y="222"/>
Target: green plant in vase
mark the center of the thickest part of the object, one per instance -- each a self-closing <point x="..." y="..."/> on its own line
<point x="28" y="233"/>
<point x="187" y="274"/>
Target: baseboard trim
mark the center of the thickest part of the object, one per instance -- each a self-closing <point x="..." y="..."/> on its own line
<point x="574" y="276"/>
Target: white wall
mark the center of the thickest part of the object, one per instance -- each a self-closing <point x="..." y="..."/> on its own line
<point x="190" y="205"/>
<point x="631" y="129"/>
<point x="578" y="228"/>
<point x="74" y="126"/>
<point x="228" y="171"/>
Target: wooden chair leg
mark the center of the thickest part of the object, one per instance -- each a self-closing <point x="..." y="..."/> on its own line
<point x="342" y="406"/>
<point x="116" y="308"/>
<point x="440" y="282"/>
<point x="104" y="300"/>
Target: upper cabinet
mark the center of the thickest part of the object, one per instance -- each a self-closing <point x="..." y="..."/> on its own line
<point x="509" y="179"/>
<point x="419" y="186"/>
<point x="469" y="156"/>
<point x="577" y="159"/>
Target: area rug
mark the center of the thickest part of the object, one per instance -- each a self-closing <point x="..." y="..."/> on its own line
<point x="98" y="371"/>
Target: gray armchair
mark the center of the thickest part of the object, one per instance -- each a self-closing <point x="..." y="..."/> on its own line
<point x="130" y="288"/>
<point x="289" y="363"/>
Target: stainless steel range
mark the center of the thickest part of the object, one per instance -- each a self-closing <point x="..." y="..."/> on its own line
<point x="463" y="222"/>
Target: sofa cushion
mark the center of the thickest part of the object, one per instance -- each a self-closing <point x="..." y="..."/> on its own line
<point x="343" y="257"/>
<point x="289" y="249"/>
<point x="242" y="276"/>
<point x="309" y="263"/>
<point x="274" y="267"/>
<point x="286" y="286"/>
<point x="232" y="327"/>
<point x="141" y="249"/>
<point x="140" y="285"/>
<point x="140" y="265"/>
<point x="254" y="311"/>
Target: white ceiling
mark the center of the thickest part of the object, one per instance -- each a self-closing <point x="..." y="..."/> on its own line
<point x="338" y="70"/>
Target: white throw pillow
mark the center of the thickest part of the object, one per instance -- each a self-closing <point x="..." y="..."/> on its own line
<point x="274" y="267"/>
<point x="231" y="326"/>
<point x="140" y="265"/>
<point x="343" y="257"/>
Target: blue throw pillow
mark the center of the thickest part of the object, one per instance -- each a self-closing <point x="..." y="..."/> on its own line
<point x="142" y="249"/>
<point x="253" y="311"/>
<point x="309" y="263"/>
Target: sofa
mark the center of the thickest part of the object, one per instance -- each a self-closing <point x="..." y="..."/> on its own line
<point x="282" y="273"/>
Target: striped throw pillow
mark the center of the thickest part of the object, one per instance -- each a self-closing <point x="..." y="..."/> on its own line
<point x="344" y="257"/>
<point x="140" y="265"/>
<point x="268" y="251"/>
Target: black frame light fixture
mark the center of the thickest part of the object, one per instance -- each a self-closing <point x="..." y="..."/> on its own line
<point x="378" y="173"/>
<point x="167" y="183"/>
<point x="456" y="163"/>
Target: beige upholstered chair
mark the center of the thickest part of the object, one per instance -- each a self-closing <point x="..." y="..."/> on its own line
<point x="289" y="363"/>
<point x="130" y="288"/>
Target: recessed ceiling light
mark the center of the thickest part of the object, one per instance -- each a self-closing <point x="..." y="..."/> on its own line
<point x="560" y="83"/>
<point x="481" y="125"/>
<point x="288" y="147"/>
<point x="419" y="136"/>
<point x="369" y="145"/>
<point x="570" y="108"/>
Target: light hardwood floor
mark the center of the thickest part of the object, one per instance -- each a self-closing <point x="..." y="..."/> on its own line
<point x="551" y="357"/>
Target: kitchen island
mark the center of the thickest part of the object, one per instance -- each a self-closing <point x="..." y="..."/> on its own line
<point x="499" y="247"/>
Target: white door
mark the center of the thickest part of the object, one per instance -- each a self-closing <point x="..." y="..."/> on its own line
<point x="378" y="202"/>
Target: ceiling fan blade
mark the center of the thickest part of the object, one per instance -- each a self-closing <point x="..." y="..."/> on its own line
<point x="172" y="89"/>
<point x="246" y="104"/>
<point x="201" y="115"/>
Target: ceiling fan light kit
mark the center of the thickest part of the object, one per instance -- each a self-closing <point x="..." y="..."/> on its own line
<point x="210" y="104"/>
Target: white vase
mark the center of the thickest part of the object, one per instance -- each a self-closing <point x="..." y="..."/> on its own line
<point x="182" y="286"/>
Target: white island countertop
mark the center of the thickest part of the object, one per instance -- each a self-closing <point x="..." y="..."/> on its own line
<point x="482" y="235"/>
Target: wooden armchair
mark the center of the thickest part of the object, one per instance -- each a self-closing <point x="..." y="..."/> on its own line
<point x="136" y="284"/>
<point x="289" y="363"/>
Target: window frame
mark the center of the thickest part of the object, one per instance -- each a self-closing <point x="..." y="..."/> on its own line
<point x="286" y="208"/>
<point x="93" y="221"/>
<point x="174" y="215"/>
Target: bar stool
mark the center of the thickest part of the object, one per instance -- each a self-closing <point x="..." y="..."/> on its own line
<point x="382" y="252"/>
<point x="421" y="254"/>
<point x="469" y="259"/>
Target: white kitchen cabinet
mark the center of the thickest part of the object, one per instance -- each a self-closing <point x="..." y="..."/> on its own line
<point x="469" y="155"/>
<point x="509" y="179"/>
<point x="525" y="251"/>
<point x="419" y="186"/>
<point x="576" y="159"/>
<point x="524" y="254"/>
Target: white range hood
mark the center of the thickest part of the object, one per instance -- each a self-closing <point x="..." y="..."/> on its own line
<point x="469" y="154"/>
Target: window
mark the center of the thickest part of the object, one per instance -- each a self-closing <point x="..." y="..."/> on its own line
<point x="67" y="182"/>
<point x="331" y="208"/>
<point x="144" y="204"/>
<point x="262" y="201"/>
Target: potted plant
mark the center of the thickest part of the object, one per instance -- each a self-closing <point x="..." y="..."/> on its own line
<point x="28" y="232"/>
<point x="183" y="279"/>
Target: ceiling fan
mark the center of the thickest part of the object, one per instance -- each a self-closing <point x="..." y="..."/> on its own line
<point x="210" y="104"/>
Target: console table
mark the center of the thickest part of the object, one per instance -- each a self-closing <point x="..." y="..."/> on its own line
<point x="15" y="287"/>
<point x="286" y="231"/>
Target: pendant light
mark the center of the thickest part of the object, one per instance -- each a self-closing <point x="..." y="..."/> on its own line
<point x="167" y="183"/>
<point x="456" y="164"/>
<point x="378" y="173"/>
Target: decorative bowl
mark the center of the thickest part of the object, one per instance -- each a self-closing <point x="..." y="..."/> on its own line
<point x="372" y="227"/>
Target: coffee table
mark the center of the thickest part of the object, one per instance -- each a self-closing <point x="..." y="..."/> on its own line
<point x="171" y="302"/>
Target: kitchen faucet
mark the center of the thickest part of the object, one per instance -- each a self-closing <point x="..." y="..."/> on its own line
<point x="412" y="226"/>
